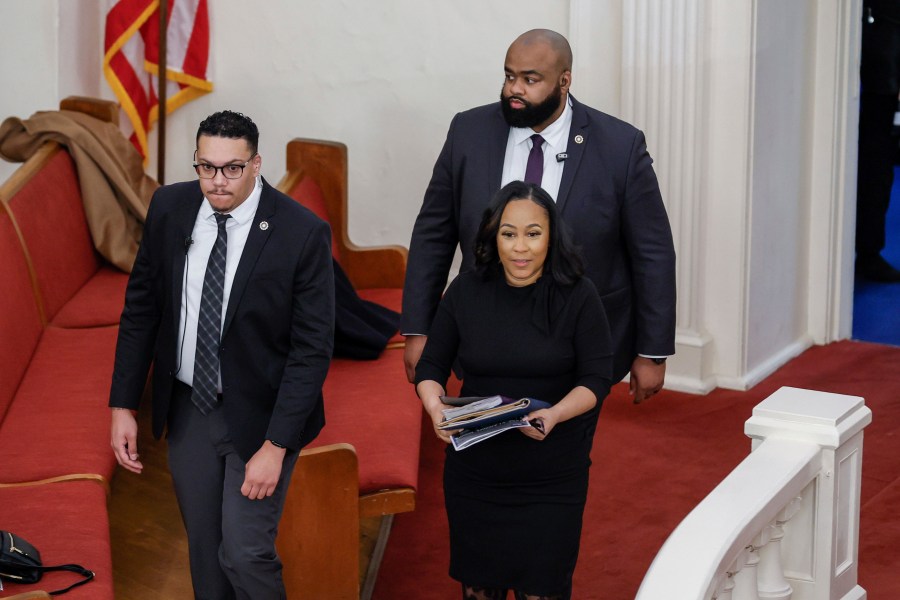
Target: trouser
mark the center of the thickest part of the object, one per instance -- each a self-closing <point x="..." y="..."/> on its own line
<point x="231" y="539"/>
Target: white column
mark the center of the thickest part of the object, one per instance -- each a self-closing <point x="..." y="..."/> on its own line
<point x="663" y="93"/>
<point x="833" y="181"/>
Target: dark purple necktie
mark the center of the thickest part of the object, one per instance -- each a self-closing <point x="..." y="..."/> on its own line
<point x="534" y="170"/>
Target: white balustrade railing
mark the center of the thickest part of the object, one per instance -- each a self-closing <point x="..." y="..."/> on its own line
<point x="784" y="525"/>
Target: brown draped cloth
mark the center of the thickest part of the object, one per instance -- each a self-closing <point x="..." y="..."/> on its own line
<point x="114" y="188"/>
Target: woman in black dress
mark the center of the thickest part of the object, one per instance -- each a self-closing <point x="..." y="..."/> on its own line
<point x="524" y="323"/>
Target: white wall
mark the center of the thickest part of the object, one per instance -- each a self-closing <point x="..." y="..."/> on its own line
<point x="80" y="38"/>
<point x="595" y="34"/>
<point x="776" y="305"/>
<point x="50" y="49"/>
<point x="29" y="64"/>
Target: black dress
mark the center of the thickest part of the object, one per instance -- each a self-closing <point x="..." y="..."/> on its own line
<point x="515" y="504"/>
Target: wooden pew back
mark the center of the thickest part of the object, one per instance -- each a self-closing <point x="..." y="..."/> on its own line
<point x="316" y="177"/>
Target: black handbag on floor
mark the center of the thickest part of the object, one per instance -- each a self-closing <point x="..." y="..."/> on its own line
<point x="20" y="562"/>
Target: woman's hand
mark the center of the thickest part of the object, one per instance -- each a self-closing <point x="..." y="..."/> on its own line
<point x="546" y="418"/>
<point x="436" y="418"/>
<point x="577" y="402"/>
<point x="430" y="392"/>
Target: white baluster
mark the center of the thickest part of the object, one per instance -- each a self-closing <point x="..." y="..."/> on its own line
<point x="726" y="589"/>
<point x="745" y="582"/>
<point x="723" y="592"/>
<point x="772" y="583"/>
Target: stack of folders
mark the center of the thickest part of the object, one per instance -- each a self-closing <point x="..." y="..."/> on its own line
<point x="483" y="417"/>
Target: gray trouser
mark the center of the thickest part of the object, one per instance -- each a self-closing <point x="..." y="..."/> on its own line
<point x="231" y="539"/>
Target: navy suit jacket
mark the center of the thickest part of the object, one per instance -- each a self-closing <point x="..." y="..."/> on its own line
<point x="609" y="197"/>
<point x="278" y="333"/>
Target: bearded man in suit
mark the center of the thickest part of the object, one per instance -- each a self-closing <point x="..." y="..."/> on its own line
<point x="232" y="300"/>
<point x="600" y="174"/>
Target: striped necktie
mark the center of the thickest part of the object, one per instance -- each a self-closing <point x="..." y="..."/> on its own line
<point x="209" y="324"/>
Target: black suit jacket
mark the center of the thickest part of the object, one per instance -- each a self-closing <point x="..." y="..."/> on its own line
<point x="610" y="198"/>
<point x="278" y="333"/>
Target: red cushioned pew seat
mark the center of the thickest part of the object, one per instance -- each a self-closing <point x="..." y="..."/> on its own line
<point x="20" y="320"/>
<point x="58" y="423"/>
<point x="391" y="298"/>
<point x="67" y="523"/>
<point x="77" y="288"/>
<point x="98" y="303"/>
<point x="385" y="433"/>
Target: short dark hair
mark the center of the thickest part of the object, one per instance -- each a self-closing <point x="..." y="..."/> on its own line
<point x="230" y="124"/>
<point x="563" y="264"/>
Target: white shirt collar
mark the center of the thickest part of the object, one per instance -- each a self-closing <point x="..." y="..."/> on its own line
<point x="244" y="213"/>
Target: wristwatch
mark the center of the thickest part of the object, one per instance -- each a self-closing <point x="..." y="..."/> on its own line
<point x="659" y="360"/>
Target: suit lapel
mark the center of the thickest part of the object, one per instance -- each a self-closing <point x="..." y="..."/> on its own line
<point x="498" y="135"/>
<point x="184" y="218"/>
<point x="580" y="130"/>
<point x="256" y="240"/>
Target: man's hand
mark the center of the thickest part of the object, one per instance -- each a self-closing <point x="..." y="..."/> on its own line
<point x="413" y="352"/>
<point x="123" y="439"/>
<point x="263" y="472"/>
<point x="647" y="378"/>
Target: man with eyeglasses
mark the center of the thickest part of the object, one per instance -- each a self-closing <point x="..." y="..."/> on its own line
<point x="232" y="300"/>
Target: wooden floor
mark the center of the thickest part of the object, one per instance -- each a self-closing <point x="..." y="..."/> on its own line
<point x="149" y="545"/>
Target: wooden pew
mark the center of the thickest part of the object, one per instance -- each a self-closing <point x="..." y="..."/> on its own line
<point x="365" y="463"/>
<point x="55" y="366"/>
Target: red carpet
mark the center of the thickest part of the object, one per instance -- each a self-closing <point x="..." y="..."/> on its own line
<point x="655" y="461"/>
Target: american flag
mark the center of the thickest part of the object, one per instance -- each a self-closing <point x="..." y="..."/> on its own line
<point x="131" y="59"/>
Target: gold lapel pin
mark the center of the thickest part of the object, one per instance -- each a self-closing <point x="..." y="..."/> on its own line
<point x="263" y="225"/>
<point x="579" y="139"/>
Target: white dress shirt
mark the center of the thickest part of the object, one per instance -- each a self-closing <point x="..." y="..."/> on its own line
<point x="518" y="147"/>
<point x="204" y="237"/>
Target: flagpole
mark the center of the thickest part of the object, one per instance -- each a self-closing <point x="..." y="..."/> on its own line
<point x="161" y="94"/>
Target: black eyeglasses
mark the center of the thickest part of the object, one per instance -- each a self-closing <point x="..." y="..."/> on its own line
<point x="207" y="171"/>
